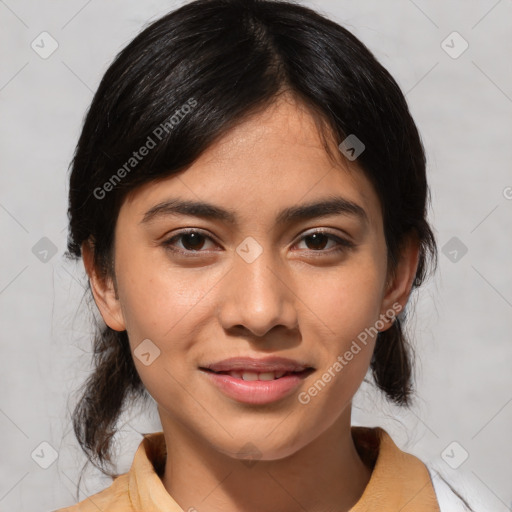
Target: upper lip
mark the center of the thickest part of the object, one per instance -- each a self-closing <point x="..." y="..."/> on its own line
<point x="260" y="365"/>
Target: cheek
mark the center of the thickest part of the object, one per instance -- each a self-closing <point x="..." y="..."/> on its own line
<point x="346" y="307"/>
<point x="158" y="299"/>
<point x="169" y="308"/>
<point x="346" y="300"/>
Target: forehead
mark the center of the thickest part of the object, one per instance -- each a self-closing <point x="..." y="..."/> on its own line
<point x="271" y="160"/>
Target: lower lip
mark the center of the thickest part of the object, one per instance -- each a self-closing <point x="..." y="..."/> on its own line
<point x="256" y="391"/>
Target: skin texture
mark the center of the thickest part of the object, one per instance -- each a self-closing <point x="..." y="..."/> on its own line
<point x="298" y="299"/>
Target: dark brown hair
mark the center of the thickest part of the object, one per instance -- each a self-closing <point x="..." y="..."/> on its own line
<point x="233" y="58"/>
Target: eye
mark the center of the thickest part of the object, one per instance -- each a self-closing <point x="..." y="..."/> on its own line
<point x="318" y="240"/>
<point x="193" y="241"/>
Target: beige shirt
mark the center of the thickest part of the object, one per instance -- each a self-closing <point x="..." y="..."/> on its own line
<point x="399" y="481"/>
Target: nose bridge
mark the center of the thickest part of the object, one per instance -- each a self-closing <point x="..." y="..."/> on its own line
<point x="258" y="295"/>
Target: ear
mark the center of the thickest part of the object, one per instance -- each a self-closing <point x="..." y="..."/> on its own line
<point x="399" y="283"/>
<point x="103" y="290"/>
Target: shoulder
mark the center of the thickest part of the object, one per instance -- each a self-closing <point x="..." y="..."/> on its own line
<point x="136" y="488"/>
<point x="114" y="498"/>
<point x="397" y="472"/>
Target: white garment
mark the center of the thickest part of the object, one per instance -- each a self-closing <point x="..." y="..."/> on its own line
<point x="448" y="501"/>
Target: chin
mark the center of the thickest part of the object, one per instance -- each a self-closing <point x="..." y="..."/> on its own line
<point x="262" y="446"/>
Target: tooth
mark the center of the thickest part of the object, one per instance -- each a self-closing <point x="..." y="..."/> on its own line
<point x="267" y="376"/>
<point x="279" y="374"/>
<point x="236" y="375"/>
<point x="249" y="376"/>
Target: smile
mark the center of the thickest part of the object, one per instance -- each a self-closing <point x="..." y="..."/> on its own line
<point x="256" y="388"/>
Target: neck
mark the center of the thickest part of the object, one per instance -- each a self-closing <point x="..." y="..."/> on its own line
<point x="325" y="475"/>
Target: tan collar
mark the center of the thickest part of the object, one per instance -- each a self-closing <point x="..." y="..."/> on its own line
<point x="399" y="482"/>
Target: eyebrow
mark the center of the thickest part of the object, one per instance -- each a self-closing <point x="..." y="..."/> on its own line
<point x="322" y="208"/>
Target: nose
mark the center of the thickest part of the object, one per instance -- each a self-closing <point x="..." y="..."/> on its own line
<point x="258" y="295"/>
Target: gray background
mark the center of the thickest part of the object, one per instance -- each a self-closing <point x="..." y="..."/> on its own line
<point x="462" y="325"/>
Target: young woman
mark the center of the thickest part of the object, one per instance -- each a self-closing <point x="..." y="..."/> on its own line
<point x="249" y="198"/>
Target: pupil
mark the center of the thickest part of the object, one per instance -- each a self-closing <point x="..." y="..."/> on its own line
<point x="315" y="237"/>
<point x="194" y="238"/>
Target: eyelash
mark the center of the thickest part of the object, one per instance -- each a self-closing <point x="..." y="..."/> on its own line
<point x="343" y="244"/>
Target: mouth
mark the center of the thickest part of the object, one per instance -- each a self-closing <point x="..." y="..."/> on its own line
<point x="257" y="381"/>
<point x="252" y="375"/>
<point x="257" y="388"/>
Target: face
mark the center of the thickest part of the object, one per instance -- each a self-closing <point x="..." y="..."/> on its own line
<point x="195" y="289"/>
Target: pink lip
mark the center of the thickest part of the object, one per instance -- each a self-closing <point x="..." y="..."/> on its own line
<point x="257" y="391"/>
